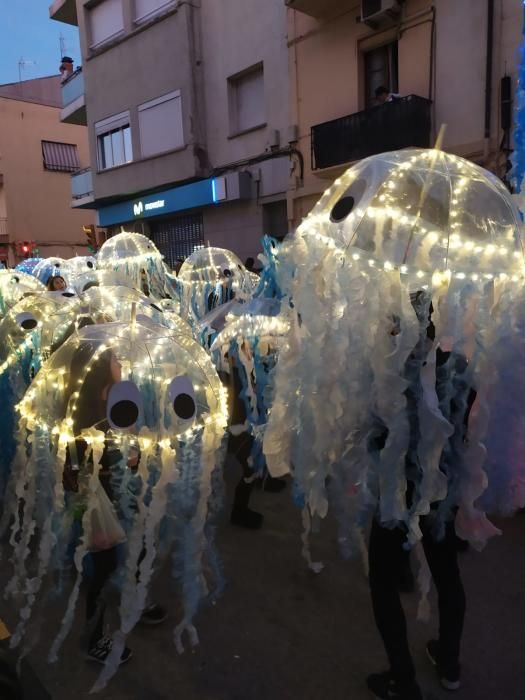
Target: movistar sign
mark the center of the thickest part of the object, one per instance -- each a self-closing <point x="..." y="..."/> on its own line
<point x="175" y="199"/>
<point x="140" y="207"/>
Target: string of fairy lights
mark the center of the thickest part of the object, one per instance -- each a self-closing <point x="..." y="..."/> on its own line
<point x="492" y="255"/>
<point x="155" y="359"/>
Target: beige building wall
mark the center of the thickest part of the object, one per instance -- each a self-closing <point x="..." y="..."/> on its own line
<point x="195" y="48"/>
<point x="35" y="201"/>
<point x="238" y="34"/>
<point x="326" y="67"/>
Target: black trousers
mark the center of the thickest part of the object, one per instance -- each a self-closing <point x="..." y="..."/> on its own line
<point x="386" y="560"/>
<point x="104" y="564"/>
<point x="241" y="446"/>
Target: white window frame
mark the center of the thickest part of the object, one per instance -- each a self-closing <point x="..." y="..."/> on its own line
<point x="168" y="5"/>
<point x="158" y="101"/>
<point x="105" y="126"/>
<point x="111" y="37"/>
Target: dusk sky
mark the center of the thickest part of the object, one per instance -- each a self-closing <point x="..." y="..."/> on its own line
<point x="27" y="32"/>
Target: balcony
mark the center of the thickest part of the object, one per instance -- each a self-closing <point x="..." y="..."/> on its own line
<point x="82" y="188"/>
<point x="74" y="100"/>
<point x="402" y="123"/>
<point x="318" y="8"/>
<point x="64" y="11"/>
<point x="4" y="241"/>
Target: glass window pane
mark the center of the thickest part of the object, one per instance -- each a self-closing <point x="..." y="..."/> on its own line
<point x="128" y="151"/>
<point x="106" y="156"/>
<point x="117" y="143"/>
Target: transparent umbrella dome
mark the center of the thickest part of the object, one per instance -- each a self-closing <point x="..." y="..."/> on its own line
<point x="126" y="246"/>
<point x="28" y="265"/>
<point x="107" y="304"/>
<point x="421" y="211"/>
<point x="13" y="285"/>
<point x="39" y="321"/>
<point x="73" y="267"/>
<point x="100" y="278"/>
<point x="211" y="265"/>
<point x="50" y="267"/>
<point x="163" y="386"/>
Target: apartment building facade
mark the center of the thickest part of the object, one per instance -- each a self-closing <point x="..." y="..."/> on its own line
<point x="452" y="64"/>
<point x="186" y="105"/>
<point x="217" y="122"/>
<point x="37" y="156"/>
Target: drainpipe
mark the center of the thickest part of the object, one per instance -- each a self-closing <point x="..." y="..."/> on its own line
<point x="488" y="76"/>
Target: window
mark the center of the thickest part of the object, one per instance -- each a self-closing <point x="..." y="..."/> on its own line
<point x="114" y="141"/>
<point x="105" y="21"/>
<point x="60" y="157"/>
<point x="160" y="124"/>
<point x="178" y="237"/>
<point x="246" y="98"/>
<point x="146" y="8"/>
<point x="275" y="219"/>
<point x="381" y="69"/>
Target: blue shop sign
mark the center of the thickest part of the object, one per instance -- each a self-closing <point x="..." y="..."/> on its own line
<point x="198" y="194"/>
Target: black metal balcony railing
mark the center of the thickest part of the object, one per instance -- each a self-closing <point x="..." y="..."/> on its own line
<point x="398" y="124"/>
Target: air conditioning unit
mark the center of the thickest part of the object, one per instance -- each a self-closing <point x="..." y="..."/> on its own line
<point x="376" y="12"/>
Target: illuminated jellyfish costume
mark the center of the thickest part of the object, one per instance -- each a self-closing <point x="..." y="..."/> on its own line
<point x="166" y="405"/>
<point x="413" y="222"/>
<point x="50" y="267"/>
<point x="267" y="285"/>
<point x="29" y="333"/>
<point x="100" y="278"/>
<point x="13" y="286"/>
<point x="105" y="304"/>
<point x="210" y="277"/>
<point x="28" y="265"/>
<point x="76" y="267"/>
<point x="170" y="305"/>
<point x="137" y="257"/>
<point x="250" y="340"/>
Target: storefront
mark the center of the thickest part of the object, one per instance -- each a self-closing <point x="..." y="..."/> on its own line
<point x="173" y="218"/>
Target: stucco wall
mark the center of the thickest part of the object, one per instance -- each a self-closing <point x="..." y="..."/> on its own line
<point x="238" y="34"/>
<point x="37" y="200"/>
<point x="236" y="226"/>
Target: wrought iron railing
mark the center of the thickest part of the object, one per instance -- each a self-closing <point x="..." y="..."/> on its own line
<point x="403" y="122"/>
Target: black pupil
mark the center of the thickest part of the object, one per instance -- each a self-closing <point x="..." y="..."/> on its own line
<point x="341" y="210"/>
<point x="184" y="406"/>
<point x="68" y="294"/>
<point x="124" y="413"/>
<point x="90" y="264"/>
<point x="29" y="324"/>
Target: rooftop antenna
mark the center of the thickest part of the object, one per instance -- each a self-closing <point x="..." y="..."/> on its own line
<point x="63" y="47"/>
<point x="22" y="64"/>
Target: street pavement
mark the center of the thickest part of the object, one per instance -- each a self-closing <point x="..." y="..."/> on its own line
<point x="281" y="632"/>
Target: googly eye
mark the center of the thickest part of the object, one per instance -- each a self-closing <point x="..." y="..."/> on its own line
<point x="346" y="204"/>
<point x="124" y="405"/>
<point x="181" y="395"/>
<point x="26" y="321"/>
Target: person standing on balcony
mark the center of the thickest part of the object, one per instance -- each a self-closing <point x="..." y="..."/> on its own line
<point x="66" y="68"/>
<point x="383" y="95"/>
